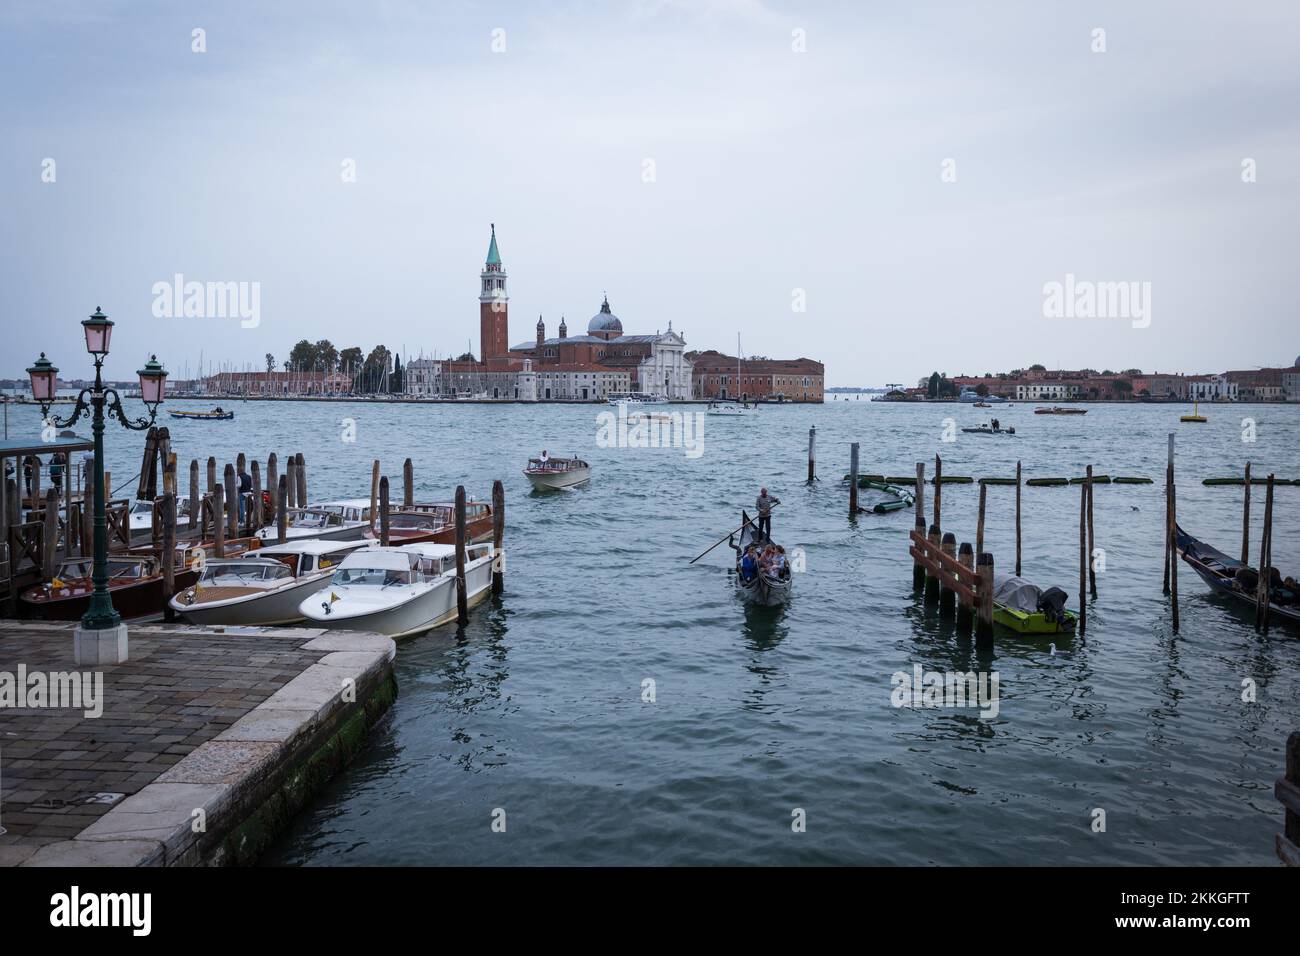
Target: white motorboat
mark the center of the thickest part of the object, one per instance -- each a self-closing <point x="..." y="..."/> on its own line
<point x="350" y="509"/>
<point x="308" y="523"/>
<point x="140" y="515"/>
<point x="267" y="586"/>
<point x="399" y="591"/>
<point x="731" y="409"/>
<point x="632" y="400"/>
<point x="555" y="474"/>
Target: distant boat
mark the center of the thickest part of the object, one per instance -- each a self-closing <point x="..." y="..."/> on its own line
<point x="217" y="414"/>
<point x="731" y="409"/>
<point x="555" y="474"/>
<point x="633" y="399"/>
<point x="1058" y="410"/>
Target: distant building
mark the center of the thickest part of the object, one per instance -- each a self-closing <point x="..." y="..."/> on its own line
<point x="1210" y="388"/>
<point x="1258" y="385"/>
<point x="1043" y="391"/>
<point x="1291" y="382"/>
<point x="721" y="376"/>
<point x="1157" y="385"/>
<point x="281" y="384"/>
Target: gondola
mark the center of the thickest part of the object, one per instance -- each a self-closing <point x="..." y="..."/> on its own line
<point x="763" y="588"/>
<point x="1229" y="576"/>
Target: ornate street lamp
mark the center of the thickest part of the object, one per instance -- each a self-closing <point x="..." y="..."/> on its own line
<point x="101" y="626"/>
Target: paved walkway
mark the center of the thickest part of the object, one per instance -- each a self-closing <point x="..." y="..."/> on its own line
<point x="61" y="770"/>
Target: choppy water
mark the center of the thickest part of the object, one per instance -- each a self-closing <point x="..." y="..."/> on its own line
<point x="537" y="706"/>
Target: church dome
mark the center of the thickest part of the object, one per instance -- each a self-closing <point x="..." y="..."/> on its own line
<point x="604" y="321"/>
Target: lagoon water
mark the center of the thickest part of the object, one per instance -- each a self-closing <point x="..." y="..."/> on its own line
<point x="536" y="708"/>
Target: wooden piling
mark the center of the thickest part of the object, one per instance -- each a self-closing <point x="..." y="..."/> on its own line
<point x="383" y="512"/>
<point x="966" y="557"/>
<point x="948" y="597"/>
<point x="462" y="599"/>
<point x="218" y="526"/>
<point x="408" y="484"/>
<point x="812" y="454"/>
<point x="168" y="557"/>
<point x="212" y="474"/>
<point x="938" y="488"/>
<point x="1169" y="534"/>
<point x="931" y="582"/>
<point x="979" y="523"/>
<point x="498" y="537"/>
<point x="301" y="465"/>
<point x="1083" y="558"/>
<point x="194" y="495"/>
<point x="255" y="508"/>
<point x="148" y="487"/>
<point x="984" y="620"/>
<point x="374" y="493"/>
<point x="50" y="536"/>
<point x="853" y="480"/>
<point x="273" y="482"/>
<point x="291" y="486"/>
<point x="232" y="502"/>
<point x="1245" y="520"/>
<point x="241" y="463"/>
<point x="1017" y="519"/>
<point x="1262" y="595"/>
<point x="1172" y="545"/>
<point x="282" y="511"/>
<point x="918" y="570"/>
<point x="1092" y="541"/>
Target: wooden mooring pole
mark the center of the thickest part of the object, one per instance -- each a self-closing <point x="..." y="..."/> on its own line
<point x="938" y="488"/>
<point x="1171" y="544"/>
<point x="966" y="557"/>
<point x="498" y="537"/>
<point x="1083" y="558"/>
<point x="933" y="541"/>
<point x="1169" y="486"/>
<point x="1262" y="589"/>
<point x="232" y="502"/>
<point x="218" y="526"/>
<point x="282" y="511"/>
<point x="300" y="464"/>
<point x="979" y="522"/>
<point x="1017" y="519"/>
<point x="408" y="484"/>
<point x="168" y="557"/>
<point x="255" y="506"/>
<point x="1092" y="568"/>
<point x="374" y="493"/>
<point x="947" y="596"/>
<point x="918" y="570"/>
<point x="291" y="486"/>
<point x="273" y="483"/>
<point x="853" y="480"/>
<point x="984" y="623"/>
<point x="462" y="599"/>
<point x="383" y="512"/>
<point x="1245" y="520"/>
<point x="812" y="454"/>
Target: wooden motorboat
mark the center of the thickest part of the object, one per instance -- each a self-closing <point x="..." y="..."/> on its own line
<point x="994" y="429"/>
<point x="731" y="409"/>
<point x="135" y="584"/>
<point x="399" y="591"/>
<point x="436" y="524"/>
<point x="1060" y="410"/>
<point x="765" y="586"/>
<point x="266" y="586"/>
<point x="1027" y="609"/>
<point x="555" y="474"/>
<point x="1236" y="580"/>
<point x="309" y="523"/>
<point x="217" y="414"/>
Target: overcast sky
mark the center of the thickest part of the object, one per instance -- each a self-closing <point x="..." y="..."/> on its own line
<point x="773" y="171"/>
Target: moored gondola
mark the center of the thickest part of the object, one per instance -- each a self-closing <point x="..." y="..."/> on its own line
<point x="1239" y="581"/>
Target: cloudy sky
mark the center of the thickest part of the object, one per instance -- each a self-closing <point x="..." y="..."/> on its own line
<point x="705" y="163"/>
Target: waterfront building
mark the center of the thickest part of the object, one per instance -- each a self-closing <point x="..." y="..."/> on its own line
<point x="1044" y="391"/>
<point x="278" y="384"/>
<point x="758" y="379"/>
<point x="1210" y="388"/>
<point x="1258" y="385"/>
<point x="1157" y="385"/>
<point x="1291" y="382"/>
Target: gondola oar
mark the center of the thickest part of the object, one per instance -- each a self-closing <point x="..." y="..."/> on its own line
<point x="748" y="521"/>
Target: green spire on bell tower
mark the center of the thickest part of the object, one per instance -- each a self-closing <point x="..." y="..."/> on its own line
<point x="493" y="257"/>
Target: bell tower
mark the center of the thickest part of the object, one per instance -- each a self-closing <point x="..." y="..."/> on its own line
<point x="492" y="307"/>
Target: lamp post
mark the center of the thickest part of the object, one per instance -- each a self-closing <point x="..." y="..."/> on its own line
<point x="101" y="638"/>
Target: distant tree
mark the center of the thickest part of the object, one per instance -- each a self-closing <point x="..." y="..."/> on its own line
<point x="1132" y="371"/>
<point x="396" y="381"/>
<point x="287" y="365"/>
<point x="1107" y="372"/>
<point x="932" y="388"/>
<point x="270" y="362"/>
<point x="375" y="369"/>
<point x="327" y="356"/>
<point x="465" y="357"/>
<point x="1124" y="387"/>
<point x="302" y="357"/>
<point x="1038" y="368"/>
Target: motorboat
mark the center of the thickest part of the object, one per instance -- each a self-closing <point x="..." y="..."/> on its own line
<point x="633" y="399"/>
<point x="436" y="523"/>
<point x="349" y="509"/>
<point x="140" y="516"/>
<point x="217" y="414"/>
<point x="555" y="474"/>
<point x="1060" y="410"/>
<point x="765" y="586"/>
<point x="265" y="586"/>
<point x="399" y="591"/>
<point x="1027" y="609"/>
<point x="731" y="409"/>
<point x="993" y="429"/>
<point x="135" y="583"/>
<point x="307" y="523"/>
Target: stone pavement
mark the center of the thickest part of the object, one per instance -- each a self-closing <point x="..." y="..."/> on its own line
<point x="61" y="771"/>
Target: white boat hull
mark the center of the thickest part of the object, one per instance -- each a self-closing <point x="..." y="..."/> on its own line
<point x="342" y="533"/>
<point x="277" y="606"/>
<point x="557" y="480"/>
<point x="429" y="609"/>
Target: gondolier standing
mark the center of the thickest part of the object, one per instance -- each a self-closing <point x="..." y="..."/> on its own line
<point x="764" y="504"/>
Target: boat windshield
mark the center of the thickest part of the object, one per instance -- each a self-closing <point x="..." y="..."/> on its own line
<point x="313" y="519"/>
<point x="233" y="575"/>
<point x="142" y="508"/>
<point x="428" y="521"/>
<point x="375" y="577"/>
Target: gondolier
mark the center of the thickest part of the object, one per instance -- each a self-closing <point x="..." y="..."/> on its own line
<point x="764" y="504"/>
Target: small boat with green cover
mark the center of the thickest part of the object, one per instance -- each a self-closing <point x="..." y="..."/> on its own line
<point x="1026" y="609"/>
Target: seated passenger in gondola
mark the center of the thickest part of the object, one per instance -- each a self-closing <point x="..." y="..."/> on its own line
<point x="748" y="565"/>
<point x="779" y="564"/>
